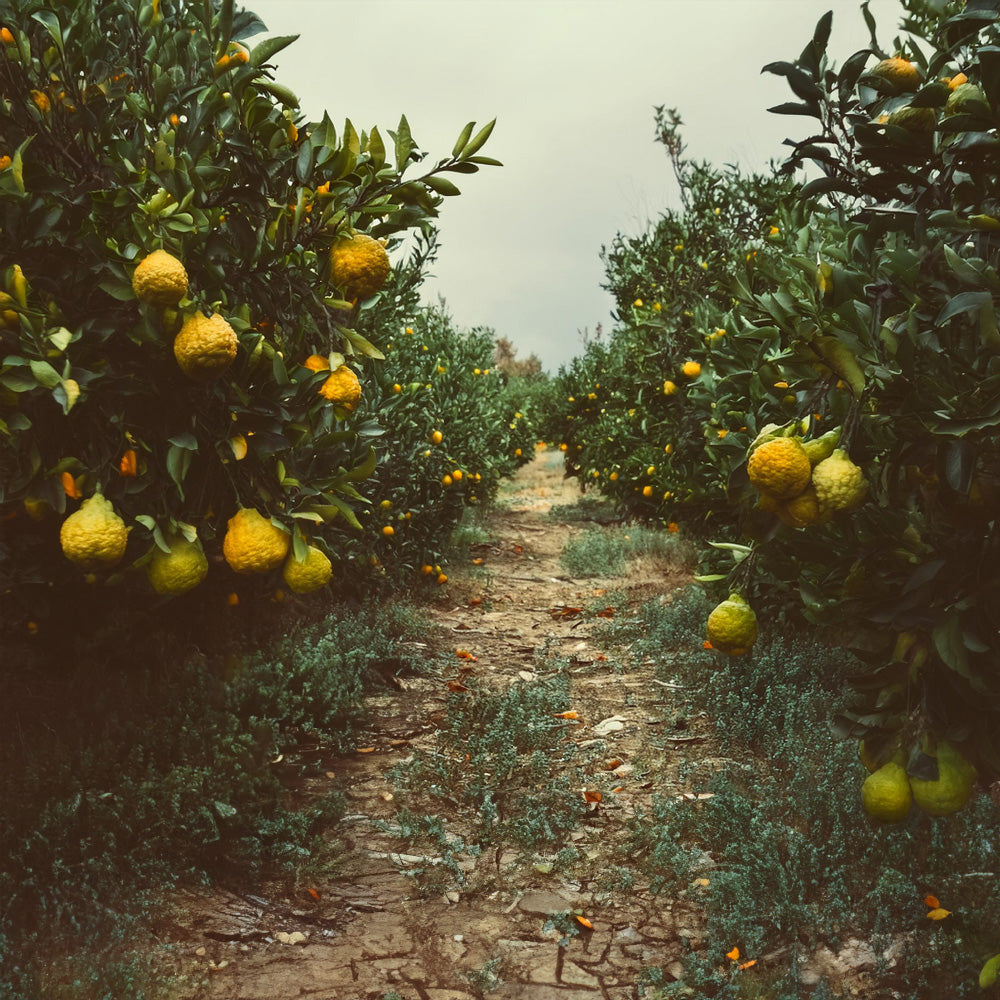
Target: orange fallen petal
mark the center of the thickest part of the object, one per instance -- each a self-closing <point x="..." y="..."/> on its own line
<point x="672" y="527"/>
<point x="938" y="914"/>
<point x="566" y="715"/>
<point x="364" y="749"/>
<point x="586" y="923"/>
<point x="464" y="654"/>
<point x="747" y="965"/>
<point x="734" y="954"/>
<point x="707" y="645"/>
<point x="314" y="894"/>
<point x="932" y="902"/>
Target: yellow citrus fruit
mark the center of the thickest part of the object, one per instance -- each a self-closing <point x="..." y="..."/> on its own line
<point x="205" y="346"/>
<point x="900" y="72"/>
<point x="669" y="388"/>
<point x="446" y="480"/>
<point x="779" y="467"/>
<point x="437" y="437"/>
<point x="307" y="574"/>
<point x="359" y="265"/>
<point x="177" y="571"/>
<point x="838" y="482"/>
<point x="9" y="319"/>
<point x="886" y="793"/>
<point x="427" y="569"/>
<point x="964" y="98"/>
<point x="388" y="530"/>
<point x="457" y="474"/>
<point x="804" y="510"/>
<point x="442" y="578"/>
<point x="253" y="544"/>
<point x="732" y="626"/>
<point x="95" y="535"/>
<point x="647" y="491"/>
<point x="691" y="369"/>
<point x="953" y="786"/>
<point x="919" y="120"/>
<point x="160" y="279"/>
<point x="342" y="388"/>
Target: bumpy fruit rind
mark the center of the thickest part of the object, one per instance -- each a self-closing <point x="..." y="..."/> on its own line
<point x="838" y="482"/>
<point x="342" y="388"/>
<point x="732" y="626"/>
<point x="359" y="265"/>
<point x="779" y="467"/>
<point x="160" y="279"/>
<point x="953" y="787"/>
<point x="205" y="346"/>
<point x="253" y="544"/>
<point x="179" y="570"/>
<point x="308" y="574"/>
<point x="886" y="793"/>
<point x="94" y="536"/>
<point x="898" y="71"/>
<point x="804" y="510"/>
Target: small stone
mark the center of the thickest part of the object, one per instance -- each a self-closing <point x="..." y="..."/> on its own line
<point x="452" y="897"/>
<point x="542" y="903"/>
<point x="458" y="937"/>
<point x="201" y="952"/>
<point x="297" y="937"/>
<point x="614" y="724"/>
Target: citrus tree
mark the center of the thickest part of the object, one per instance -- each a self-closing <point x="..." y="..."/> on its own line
<point x="185" y="259"/>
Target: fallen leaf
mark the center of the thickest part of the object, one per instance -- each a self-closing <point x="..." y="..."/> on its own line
<point x="586" y="923"/>
<point x="518" y="549"/>
<point x="620" y="788"/>
<point x="747" y="965"/>
<point x="610" y="765"/>
<point x="591" y="796"/>
<point x="314" y="894"/>
<point x="606" y="613"/>
<point x="456" y="686"/>
<point x="566" y="715"/>
<point x="331" y="774"/>
<point x="601" y="657"/>
<point x="707" y="645"/>
<point x="386" y="796"/>
<point x="477" y="562"/>
<point x="701" y="882"/>
<point x="364" y="749"/>
<point x="464" y="654"/>
<point x="938" y="914"/>
<point x="475" y="602"/>
<point x="932" y="902"/>
<point x="565" y="611"/>
<point x="734" y="954"/>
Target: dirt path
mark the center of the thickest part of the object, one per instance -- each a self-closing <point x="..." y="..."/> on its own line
<point x="399" y="915"/>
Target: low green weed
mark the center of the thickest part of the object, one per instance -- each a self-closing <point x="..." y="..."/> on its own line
<point x="790" y="856"/>
<point x="606" y="551"/>
<point x="125" y="772"/>
<point x="498" y="760"/>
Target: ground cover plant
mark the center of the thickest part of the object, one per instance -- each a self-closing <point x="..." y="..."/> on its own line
<point x="783" y="856"/>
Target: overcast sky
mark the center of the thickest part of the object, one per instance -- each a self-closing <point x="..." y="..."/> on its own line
<point x="573" y="84"/>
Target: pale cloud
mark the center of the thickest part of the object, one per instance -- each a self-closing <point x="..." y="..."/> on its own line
<point x="573" y="84"/>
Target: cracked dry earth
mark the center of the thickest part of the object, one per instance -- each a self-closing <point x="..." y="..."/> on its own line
<point x="391" y="918"/>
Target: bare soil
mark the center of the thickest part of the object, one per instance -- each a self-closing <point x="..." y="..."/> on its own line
<point x="381" y="920"/>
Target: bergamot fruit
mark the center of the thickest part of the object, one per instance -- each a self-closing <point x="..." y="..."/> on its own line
<point x="252" y="543"/>
<point x="803" y="511"/>
<point x="920" y="121"/>
<point x="179" y="570"/>
<point x="838" y="482"/>
<point x="886" y="794"/>
<point x="160" y="279"/>
<point x="898" y="71"/>
<point x="359" y="265"/>
<point x="94" y="536"/>
<point x="205" y="346"/>
<point x="966" y="98"/>
<point x="732" y="626"/>
<point x="953" y="786"/>
<point x="307" y="574"/>
<point x="779" y="467"/>
<point x="822" y="447"/>
<point x="342" y="388"/>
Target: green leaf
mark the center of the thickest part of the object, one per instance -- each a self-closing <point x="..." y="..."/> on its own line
<point x="178" y="463"/>
<point x="187" y="441"/>
<point x="949" y="645"/>
<point x="362" y="345"/>
<point x="403" y="143"/>
<point x="45" y="374"/>
<point x="54" y="28"/>
<point x="376" y="148"/>
<point x="283" y="94"/>
<point x="269" y="48"/>
<point x="365" y="469"/>
<point x="345" y="511"/>
<point x="463" y="138"/>
<point x="224" y="27"/>
<point x="964" y="302"/>
<point x="711" y="578"/>
<point x="441" y="185"/>
<point x="478" y="140"/>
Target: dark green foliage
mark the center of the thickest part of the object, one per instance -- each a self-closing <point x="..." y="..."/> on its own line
<point x="126" y="772"/>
